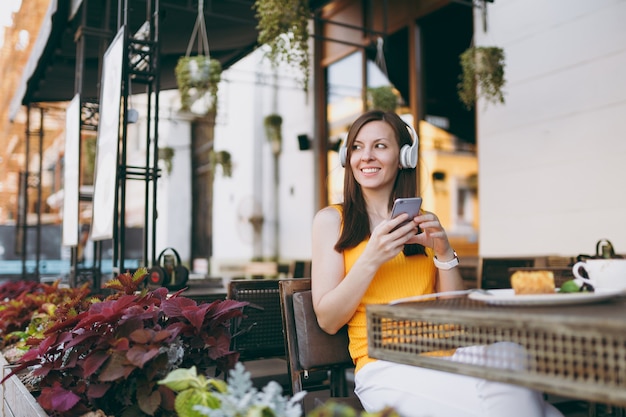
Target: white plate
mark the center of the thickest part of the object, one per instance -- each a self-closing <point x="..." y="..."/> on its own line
<point x="508" y="297"/>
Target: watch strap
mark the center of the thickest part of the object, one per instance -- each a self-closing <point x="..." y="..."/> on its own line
<point x="448" y="264"/>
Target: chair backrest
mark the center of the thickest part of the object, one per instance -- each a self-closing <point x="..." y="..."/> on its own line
<point x="495" y="271"/>
<point x="309" y="348"/>
<point x="260" y="333"/>
<point x="300" y="269"/>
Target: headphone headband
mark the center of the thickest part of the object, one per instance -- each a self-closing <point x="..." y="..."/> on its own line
<point x="408" y="153"/>
<point x="165" y="250"/>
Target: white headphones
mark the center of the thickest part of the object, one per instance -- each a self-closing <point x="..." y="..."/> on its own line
<point x="408" y="154"/>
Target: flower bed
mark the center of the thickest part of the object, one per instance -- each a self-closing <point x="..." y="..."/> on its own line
<point x="86" y="354"/>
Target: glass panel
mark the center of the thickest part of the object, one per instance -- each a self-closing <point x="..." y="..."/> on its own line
<point x="345" y="103"/>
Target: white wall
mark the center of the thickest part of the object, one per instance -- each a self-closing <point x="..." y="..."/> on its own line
<point x="173" y="188"/>
<point x="552" y="160"/>
<point x="246" y="96"/>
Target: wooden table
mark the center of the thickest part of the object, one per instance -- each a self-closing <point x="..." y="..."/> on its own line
<point x="577" y="351"/>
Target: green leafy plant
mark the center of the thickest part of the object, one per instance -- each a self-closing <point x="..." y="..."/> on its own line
<point x="283" y="27"/>
<point x="198" y="396"/>
<point x="166" y="154"/>
<point x="196" y="76"/>
<point x="223" y="159"/>
<point x="382" y="98"/>
<point x="111" y="355"/>
<point x="193" y="390"/>
<point x="482" y="75"/>
<point x="273" y="131"/>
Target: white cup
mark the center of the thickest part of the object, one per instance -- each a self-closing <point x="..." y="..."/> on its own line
<point x="605" y="274"/>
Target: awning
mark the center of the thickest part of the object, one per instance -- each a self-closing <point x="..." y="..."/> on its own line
<point x="51" y="69"/>
<point x="34" y="61"/>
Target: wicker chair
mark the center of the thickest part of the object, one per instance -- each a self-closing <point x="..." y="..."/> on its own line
<point x="258" y="337"/>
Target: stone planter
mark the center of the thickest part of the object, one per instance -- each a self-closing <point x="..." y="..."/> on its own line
<point x="17" y="401"/>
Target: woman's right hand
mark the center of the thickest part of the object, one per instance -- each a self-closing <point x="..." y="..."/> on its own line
<point x="385" y="243"/>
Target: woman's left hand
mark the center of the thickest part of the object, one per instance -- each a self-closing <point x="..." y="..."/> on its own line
<point x="433" y="234"/>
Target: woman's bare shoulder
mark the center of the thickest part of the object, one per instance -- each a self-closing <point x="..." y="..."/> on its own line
<point x="327" y="216"/>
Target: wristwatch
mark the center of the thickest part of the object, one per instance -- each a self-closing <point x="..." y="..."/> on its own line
<point x="448" y="264"/>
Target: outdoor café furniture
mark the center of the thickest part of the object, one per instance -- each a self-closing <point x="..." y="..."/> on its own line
<point x="572" y="350"/>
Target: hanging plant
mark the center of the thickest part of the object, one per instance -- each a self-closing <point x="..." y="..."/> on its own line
<point x="166" y="154"/>
<point x="195" y="77"/>
<point x="89" y="159"/>
<point x="482" y="75"/>
<point x="198" y="75"/>
<point x="382" y="98"/>
<point x="283" y="27"/>
<point x="223" y="159"/>
<point x="273" y="131"/>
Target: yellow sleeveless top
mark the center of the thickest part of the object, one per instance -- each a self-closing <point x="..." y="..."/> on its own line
<point x="402" y="276"/>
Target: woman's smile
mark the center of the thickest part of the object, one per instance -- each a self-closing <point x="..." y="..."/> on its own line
<point x="375" y="155"/>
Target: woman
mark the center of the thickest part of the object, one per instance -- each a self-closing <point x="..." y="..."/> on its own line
<point x="359" y="259"/>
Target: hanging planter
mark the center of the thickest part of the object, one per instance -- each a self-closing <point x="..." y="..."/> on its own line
<point x="273" y="131"/>
<point x="223" y="159"/>
<point x="195" y="77"/>
<point x="283" y="27"/>
<point x="482" y="75"/>
<point x="382" y="98"/>
<point x="198" y="75"/>
<point x="166" y="155"/>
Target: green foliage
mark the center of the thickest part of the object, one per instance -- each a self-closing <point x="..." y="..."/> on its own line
<point x="335" y="409"/>
<point x="223" y="159"/>
<point x="199" y="397"/>
<point x="382" y="98"/>
<point x="283" y="26"/>
<point x="273" y="131"/>
<point x="193" y="389"/>
<point x="89" y="158"/>
<point x="482" y="75"/>
<point x="198" y="75"/>
<point x="166" y="154"/>
<point x="238" y="398"/>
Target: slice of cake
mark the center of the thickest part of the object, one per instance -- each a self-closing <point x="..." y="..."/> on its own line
<point x="533" y="282"/>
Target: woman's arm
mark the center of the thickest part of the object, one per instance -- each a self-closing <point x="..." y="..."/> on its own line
<point x="335" y="297"/>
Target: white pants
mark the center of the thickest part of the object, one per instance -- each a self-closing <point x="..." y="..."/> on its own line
<point x="421" y="392"/>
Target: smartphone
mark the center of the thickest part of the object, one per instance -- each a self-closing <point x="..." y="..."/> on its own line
<point x="411" y="206"/>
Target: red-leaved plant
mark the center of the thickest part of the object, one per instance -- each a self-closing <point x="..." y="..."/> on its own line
<point x="23" y="301"/>
<point x="111" y="356"/>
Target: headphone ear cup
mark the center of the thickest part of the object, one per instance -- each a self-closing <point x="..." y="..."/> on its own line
<point x="181" y="276"/>
<point x="155" y="277"/>
<point x="408" y="153"/>
<point x="408" y="156"/>
<point x="343" y="154"/>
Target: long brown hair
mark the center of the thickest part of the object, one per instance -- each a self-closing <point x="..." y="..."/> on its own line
<point x="356" y="224"/>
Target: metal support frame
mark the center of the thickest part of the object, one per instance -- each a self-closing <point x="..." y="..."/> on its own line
<point x="28" y="180"/>
<point x="140" y="66"/>
<point x="89" y="115"/>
